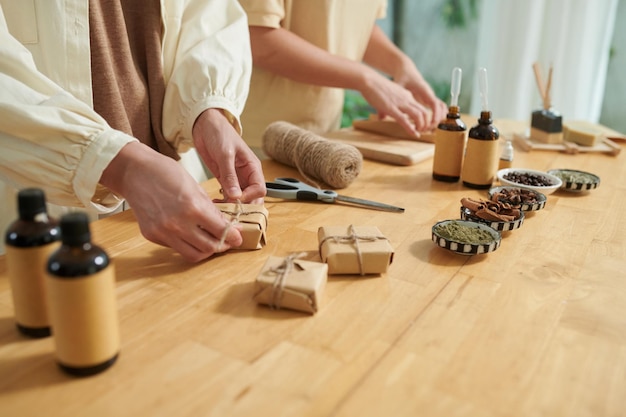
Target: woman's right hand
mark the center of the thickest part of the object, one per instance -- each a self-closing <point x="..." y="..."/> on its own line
<point x="172" y="209"/>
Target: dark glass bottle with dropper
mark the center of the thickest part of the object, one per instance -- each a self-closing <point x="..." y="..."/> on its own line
<point x="481" y="158"/>
<point x="450" y="137"/>
<point x="29" y="242"/>
<point x="480" y="163"/>
<point x="81" y="297"/>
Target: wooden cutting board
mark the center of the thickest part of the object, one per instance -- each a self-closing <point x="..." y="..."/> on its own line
<point x="389" y="127"/>
<point x="384" y="148"/>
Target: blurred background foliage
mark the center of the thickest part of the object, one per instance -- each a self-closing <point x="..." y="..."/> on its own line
<point x="452" y="16"/>
<point x="442" y="34"/>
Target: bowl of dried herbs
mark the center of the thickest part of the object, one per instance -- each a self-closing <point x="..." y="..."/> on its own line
<point x="575" y="180"/>
<point x="465" y="237"/>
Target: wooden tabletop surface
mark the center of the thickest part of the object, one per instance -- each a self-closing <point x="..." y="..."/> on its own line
<point x="536" y="328"/>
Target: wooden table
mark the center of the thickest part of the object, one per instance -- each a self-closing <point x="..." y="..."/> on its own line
<point x="536" y="328"/>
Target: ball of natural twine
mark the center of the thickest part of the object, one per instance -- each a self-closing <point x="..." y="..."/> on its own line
<point x="317" y="159"/>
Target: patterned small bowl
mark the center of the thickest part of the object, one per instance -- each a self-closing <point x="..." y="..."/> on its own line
<point x="524" y="206"/>
<point x="576" y="181"/>
<point x="466" y="214"/>
<point x="464" y="247"/>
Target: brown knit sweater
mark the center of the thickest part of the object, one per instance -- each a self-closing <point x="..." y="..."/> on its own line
<point x="127" y="73"/>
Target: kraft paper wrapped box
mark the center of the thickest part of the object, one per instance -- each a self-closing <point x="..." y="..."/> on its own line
<point x="291" y="283"/>
<point x="354" y="249"/>
<point x="252" y="218"/>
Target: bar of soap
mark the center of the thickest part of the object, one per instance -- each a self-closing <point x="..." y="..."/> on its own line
<point x="546" y="126"/>
<point x="580" y="133"/>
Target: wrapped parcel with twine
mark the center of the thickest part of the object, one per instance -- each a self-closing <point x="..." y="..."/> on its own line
<point x="354" y="249"/>
<point x="291" y="283"/>
<point x="318" y="159"/>
<point x="253" y="221"/>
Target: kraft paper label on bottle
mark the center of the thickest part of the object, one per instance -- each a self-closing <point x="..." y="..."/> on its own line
<point x="83" y="313"/>
<point x="449" y="147"/>
<point x="481" y="162"/>
<point x="26" y="268"/>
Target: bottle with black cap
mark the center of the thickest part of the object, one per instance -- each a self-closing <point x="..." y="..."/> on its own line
<point x="81" y="299"/>
<point x="450" y="137"/>
<point x="480" y="164"/>
<point x="29" y="242"/>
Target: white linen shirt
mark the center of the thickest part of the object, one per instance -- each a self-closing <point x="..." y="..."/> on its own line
<point x="50" y="135"/>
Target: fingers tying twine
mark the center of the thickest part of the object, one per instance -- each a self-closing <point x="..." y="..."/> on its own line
<point x="234" y="219"/>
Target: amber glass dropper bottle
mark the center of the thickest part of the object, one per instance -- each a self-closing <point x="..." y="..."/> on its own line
<point x="450" y="137"/>
<point x="29" y="242"/>
<point x="480" y="164"/>
<point x="81" y="299"/>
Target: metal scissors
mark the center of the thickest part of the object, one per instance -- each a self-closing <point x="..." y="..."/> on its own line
<point x="293" y="189"/>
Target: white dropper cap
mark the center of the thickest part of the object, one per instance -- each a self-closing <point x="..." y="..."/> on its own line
<point x="455" y="86"/>
<point x="482" y="86"/>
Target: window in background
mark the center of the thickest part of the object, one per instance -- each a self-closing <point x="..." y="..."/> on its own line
<point x="614" y="103"/>
<point x="578" y="37"/>
<point x="572" y="35"/>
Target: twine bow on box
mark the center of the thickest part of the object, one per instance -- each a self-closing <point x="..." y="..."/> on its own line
<point x="235" y="218"/>
<point x="352" y="237"/>
<point x="282" y="271"/>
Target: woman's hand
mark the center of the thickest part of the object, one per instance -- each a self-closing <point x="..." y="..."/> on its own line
<point x="172" y="209"/>
<point x="229" y="158"/>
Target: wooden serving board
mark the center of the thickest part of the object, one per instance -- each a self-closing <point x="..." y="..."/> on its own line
<point x="384" y="148"/>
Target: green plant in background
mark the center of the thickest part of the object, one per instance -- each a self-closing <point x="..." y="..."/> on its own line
<point x="454" y="13"/>
<point x="354" y="107"/>
<point x="441" y="89"/>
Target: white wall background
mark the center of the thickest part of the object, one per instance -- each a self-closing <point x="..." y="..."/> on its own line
<point x="614" y="105"/>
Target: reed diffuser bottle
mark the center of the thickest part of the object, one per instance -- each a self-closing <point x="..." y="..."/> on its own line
<point x="81" y="299"/>
<point x="450" y="137"/>
<point x="29" y="242"/>
<point x="480" y="164"/>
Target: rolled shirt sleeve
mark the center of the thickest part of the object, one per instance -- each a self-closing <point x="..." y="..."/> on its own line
<point x="207" y="64"/>
<point x="266" y="13"/>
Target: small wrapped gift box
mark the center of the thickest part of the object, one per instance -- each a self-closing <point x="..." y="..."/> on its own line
<point x="291" y="283"/>
<point x="354" y="249"/>
<point x="253" y="221"/>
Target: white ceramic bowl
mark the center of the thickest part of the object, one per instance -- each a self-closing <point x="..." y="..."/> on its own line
<point x="576" y="181"/>
<point x="552" y="182"/>
<point x="465" y="248"/>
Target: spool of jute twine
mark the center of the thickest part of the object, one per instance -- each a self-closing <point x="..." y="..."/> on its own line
<point x="317" y="159"/>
